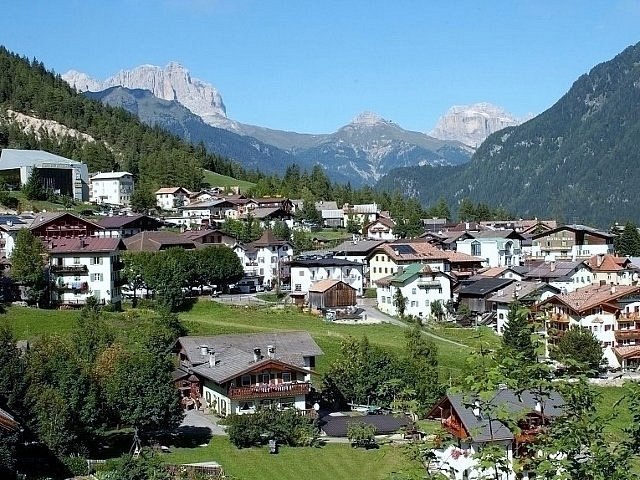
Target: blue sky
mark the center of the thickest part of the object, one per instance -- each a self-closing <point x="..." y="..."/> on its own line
<point x="311" y="66"/>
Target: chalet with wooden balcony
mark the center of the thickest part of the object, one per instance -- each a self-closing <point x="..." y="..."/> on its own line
<point x="236" y="374"/>
<point x="128" y="225"/>
<point x="476" y="423"/>
<point x="266" y="259"/>
<point x="571" y="242"/>
<point x="50" y="225"/>
<point x="208" y="237"/>
<point x="611" y="312"/>
<point x="386" y="258"/>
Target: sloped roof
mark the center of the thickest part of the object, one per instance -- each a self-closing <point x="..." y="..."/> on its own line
<point x="575" y="228"/>
<point x="326" y="205"/>
<point x="120" y="221"/>
<point x="48" y="217"/>
<point x="485" y="286"/>
<point x="607" y="263"/>
<point x="553" y="270"/>
<point x="268" y="239"/>
<point x="481" y="429"/>
<point x="267" y="212"/>
<point x="110" y="175"/>
<point x="522" y="289"/>
<point x="322" y="286"/>
<point x="360" y="247"/>
<point x="7" y="421"/>
<point x="85" y="244"/>
<point x="386" y="221"/>
<point x="496" y="234"/>
<point x="491" y="271"/>
<point x="585" y="298"/>
<point x="234" y="353"/>
<point x="172" y="190"/>
<point x="14" y="158"/>
<point x="154" y="241"/>
<point x="195" y="234"/>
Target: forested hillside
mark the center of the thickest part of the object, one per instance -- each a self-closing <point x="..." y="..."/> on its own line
<point x="154" y="156"/>
<point x="576" y="161"/>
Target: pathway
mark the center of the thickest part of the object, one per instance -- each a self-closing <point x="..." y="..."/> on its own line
<point x="369" y="308"/>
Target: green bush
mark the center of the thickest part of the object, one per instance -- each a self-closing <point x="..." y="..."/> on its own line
<point x="76" y="465"/>
<point x="370" y="293"/>
<point x="286" y="427"/>
<point x="361" y="434"/>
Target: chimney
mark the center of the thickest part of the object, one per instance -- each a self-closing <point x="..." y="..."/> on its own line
<point x="203" y="350"/>
<point x="538" y="407"/>
<point x="271" y="351"/>
<point x="397" y="253"/>
<point x="552" y="266"/>
<point x="476" y="409"/>
<point x="613" y="289"/>
<point x="212" y="359"/>
<point x="400" y="269"/>
<point x="257" y="354"/>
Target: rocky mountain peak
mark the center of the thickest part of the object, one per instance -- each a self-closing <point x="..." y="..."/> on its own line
<point x="471" y="124"/>
<point x="173" y="82"/>
<point x="368" y="119"/>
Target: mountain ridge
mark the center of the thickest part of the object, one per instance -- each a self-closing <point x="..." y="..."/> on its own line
<point x="578" y="160"/>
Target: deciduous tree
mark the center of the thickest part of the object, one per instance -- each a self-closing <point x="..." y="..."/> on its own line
<point x="27" y="265"/>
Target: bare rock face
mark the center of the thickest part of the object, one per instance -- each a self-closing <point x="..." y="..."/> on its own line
<point x="172" y="82"/>
<point x="471" y="124"/>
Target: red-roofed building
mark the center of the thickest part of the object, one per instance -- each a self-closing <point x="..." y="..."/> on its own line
<point x="611" y="312"/>
<point x="611" y="270"/>
<point x="85" y="267"/>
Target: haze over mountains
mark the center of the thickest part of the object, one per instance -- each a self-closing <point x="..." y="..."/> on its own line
<point x="360" y="152"/>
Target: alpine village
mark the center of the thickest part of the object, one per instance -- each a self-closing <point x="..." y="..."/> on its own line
<point x="172" y="311"/>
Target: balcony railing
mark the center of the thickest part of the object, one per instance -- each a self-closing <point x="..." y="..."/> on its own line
<point x="79" y="286"/>
<point x="70" y="269"/>
<point x="269" y="390"/>
<point x="560" y="317"/>
<point x="627" y="334"/>
<point x="629" y="316"/>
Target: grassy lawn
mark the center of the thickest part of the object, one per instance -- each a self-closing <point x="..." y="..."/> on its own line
<point x="30" y="323"/>
<point x="329" y="234"/>
<point x="473" y="337"/>
<point x="330" y="462"/>
<point x="217" y="180"/>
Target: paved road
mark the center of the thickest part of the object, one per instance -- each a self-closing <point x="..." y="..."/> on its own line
<point x="196" y="419"/>
<point x="369" y="307"/>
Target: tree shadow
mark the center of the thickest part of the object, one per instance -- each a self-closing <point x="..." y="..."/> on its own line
<point x="185" y="437"/>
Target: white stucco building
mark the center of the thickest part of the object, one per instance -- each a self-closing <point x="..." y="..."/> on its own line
<point x="267" y="259"/>
<point x="114" y="188"/>
<point x="85" y="267"/>
<point x="420" y="286"/>
<point x="500" y="248"/>
<point x="172" y="198"/>
<point x="306" y="272"/>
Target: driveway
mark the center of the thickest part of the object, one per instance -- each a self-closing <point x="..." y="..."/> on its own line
<point x="195" y="419"/>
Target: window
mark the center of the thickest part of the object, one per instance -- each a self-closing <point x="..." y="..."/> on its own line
<point x="476" y="249"/>
<point x="413" y="291"/>
<point x="301" y="273"/>
<point x="386" y="270"/>
<point x="262" y="271"/>
<point x="261" y="260"/>
<point x="96" y="261"/>
<point x="286" y="377"/>
<point x="264" y="378"/>
<point x="426" y="303"/>
<point x="76" y="260"/>
<point x="374" y="269"/>
<point x="246" y="380"/>
<point x="298" y="287"/>
<point x="97" y="277"/>
<point x="414" y="303"/>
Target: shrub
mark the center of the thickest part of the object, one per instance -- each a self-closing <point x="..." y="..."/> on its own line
<point x="361" y="434"/>
<point x="76" y="465"/>
<point x="286" y="427"/>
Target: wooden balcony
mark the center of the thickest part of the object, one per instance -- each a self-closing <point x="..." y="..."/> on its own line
<point x="631" y="316"/>
<point x="454" y="427"/>
<point x="632" y="333"/>
<point x="559" y="317"/>
<point x="269" y="390"/>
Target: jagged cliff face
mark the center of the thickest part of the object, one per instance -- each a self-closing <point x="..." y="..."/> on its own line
<point x="471" y="124"/>
<point x="172" y="82"/>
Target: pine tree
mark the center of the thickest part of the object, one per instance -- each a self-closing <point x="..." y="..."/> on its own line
<point x="516" y="337"/>
<point x="628" y="243"/>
